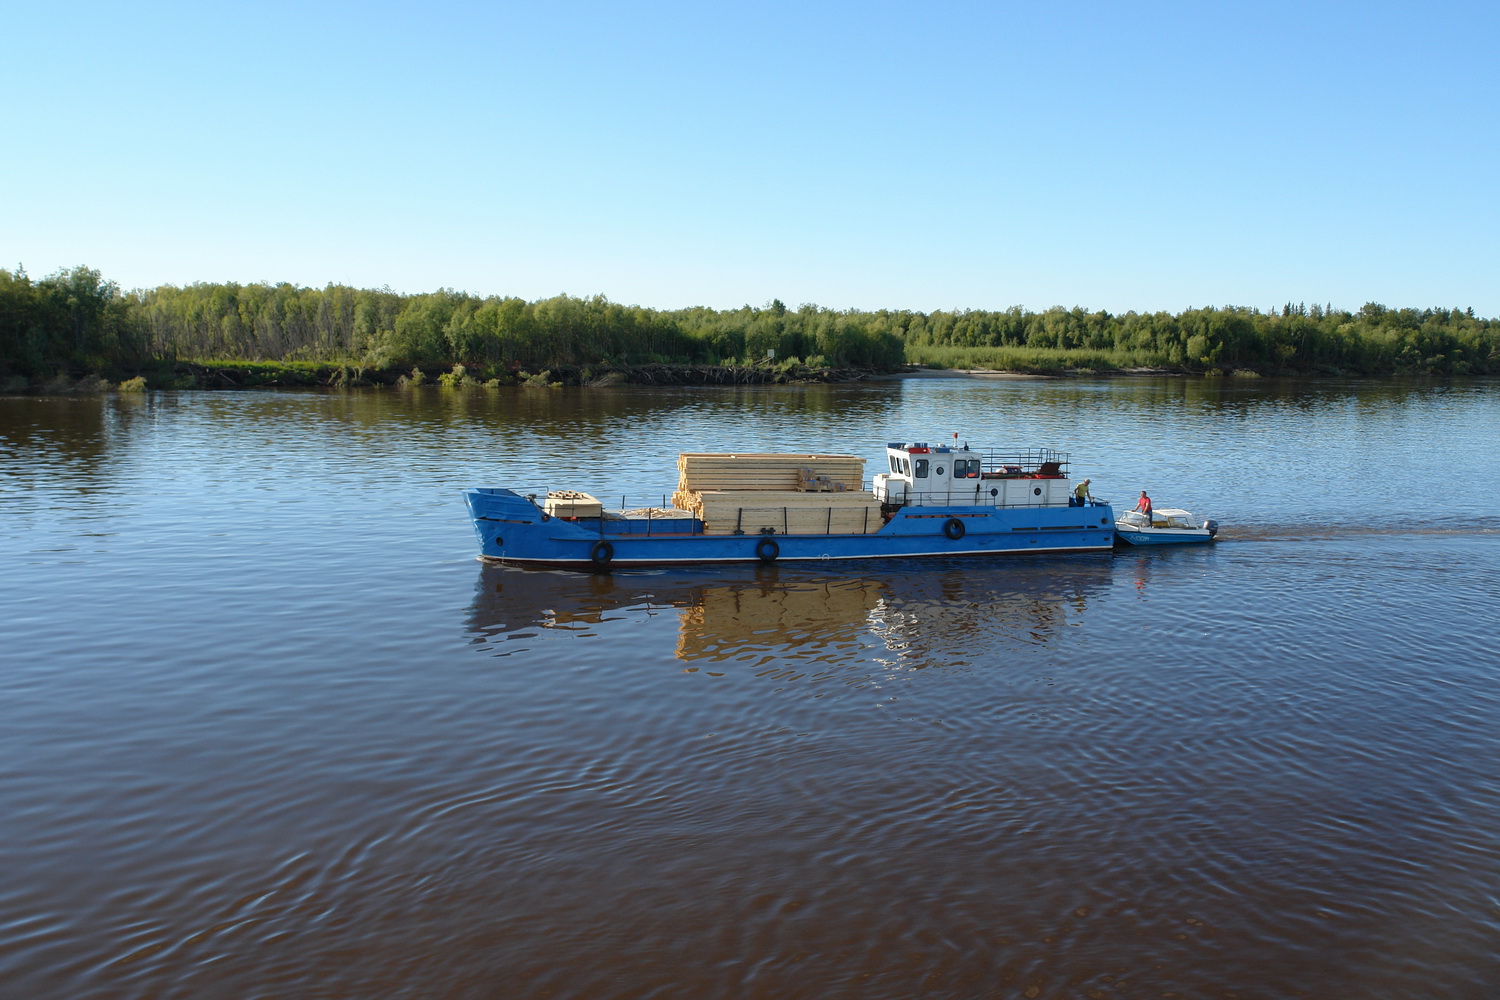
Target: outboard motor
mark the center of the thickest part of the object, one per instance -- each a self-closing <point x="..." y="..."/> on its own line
<point x="1212" y="527"/>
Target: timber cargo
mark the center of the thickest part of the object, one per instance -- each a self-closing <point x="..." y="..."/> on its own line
<point x="717" y="471"/>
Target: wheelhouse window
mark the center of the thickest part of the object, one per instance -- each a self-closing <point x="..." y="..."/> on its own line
<point x="921" y="468"/>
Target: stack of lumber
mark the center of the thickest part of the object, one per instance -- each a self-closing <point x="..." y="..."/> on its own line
<point x="787" y="494"/>
<point x="852" y="512"/>
<point x="571" y="503"/>
<point x="699" y="471"/>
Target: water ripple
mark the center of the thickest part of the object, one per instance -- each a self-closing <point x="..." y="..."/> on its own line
<point x="269" y="731"/>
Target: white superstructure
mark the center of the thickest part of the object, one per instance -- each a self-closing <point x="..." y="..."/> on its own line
<point x="929" y="476"/>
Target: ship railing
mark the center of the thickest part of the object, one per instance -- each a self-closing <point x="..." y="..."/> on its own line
<point x="1025" y="462"/>
<point x="971" y="498"/>
<point x="634" y="507"/>
<point x="646" y="509"/>
<point x="627" y="501"/>
<point x="659" y="504"/>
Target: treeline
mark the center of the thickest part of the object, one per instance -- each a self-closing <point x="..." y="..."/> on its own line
<point x="1294" y="339"/>
<point x="70" y="320"/>
<point x="77" y="321"/>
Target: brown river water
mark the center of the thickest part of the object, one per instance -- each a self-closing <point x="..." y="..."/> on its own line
<point x="269" y="730"/>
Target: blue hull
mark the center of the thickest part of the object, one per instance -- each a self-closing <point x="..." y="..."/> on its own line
<point x="512" y="529"/>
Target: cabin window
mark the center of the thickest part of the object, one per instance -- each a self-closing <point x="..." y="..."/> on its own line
<point x="973" y="465"/>
<point x="938" y="470"/>
<point x="921" y="468"/>
<point x="895" y="464"/>
<point x="906" y="466"/>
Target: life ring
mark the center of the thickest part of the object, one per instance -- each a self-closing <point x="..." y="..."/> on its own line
<point x="601" y="553"/>
<point x="766" y="550"/>
<point x="953" y="528"/>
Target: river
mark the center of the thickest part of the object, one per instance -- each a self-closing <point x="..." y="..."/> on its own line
<point x="268" y="729"/>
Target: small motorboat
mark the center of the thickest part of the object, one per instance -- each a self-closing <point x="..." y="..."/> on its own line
<point x="1166" y="526"/>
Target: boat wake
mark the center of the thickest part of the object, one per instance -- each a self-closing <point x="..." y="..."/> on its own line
<point x="1302" y="532"/>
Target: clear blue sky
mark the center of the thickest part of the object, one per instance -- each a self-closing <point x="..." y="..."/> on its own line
<point x="927" y="156"/>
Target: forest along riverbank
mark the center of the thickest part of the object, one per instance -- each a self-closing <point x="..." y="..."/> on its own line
<point x="79" y="323"/>
<point x="288" y="375"/>
<point x="284" y="375"/>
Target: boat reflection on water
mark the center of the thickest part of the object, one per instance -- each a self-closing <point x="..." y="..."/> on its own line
<point x="921" y="613"/>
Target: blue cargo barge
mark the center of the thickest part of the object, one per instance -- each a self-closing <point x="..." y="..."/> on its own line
<point x="931" y="501"/>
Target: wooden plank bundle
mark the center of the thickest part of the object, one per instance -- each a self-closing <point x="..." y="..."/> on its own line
<point x="853" y="512"/>
<point x="571" y="503"/>
<point x="713" y="502"/>
<point x="787" y="494"/>
<point x="699" y="471"/>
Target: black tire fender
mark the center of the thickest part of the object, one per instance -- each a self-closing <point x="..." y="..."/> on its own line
<point x="766" y="550"/>
<point x="601" y="553"/>
<point x="953" y="528"/>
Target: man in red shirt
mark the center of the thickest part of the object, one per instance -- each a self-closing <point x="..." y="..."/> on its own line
<point x="1144" y="505"/>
